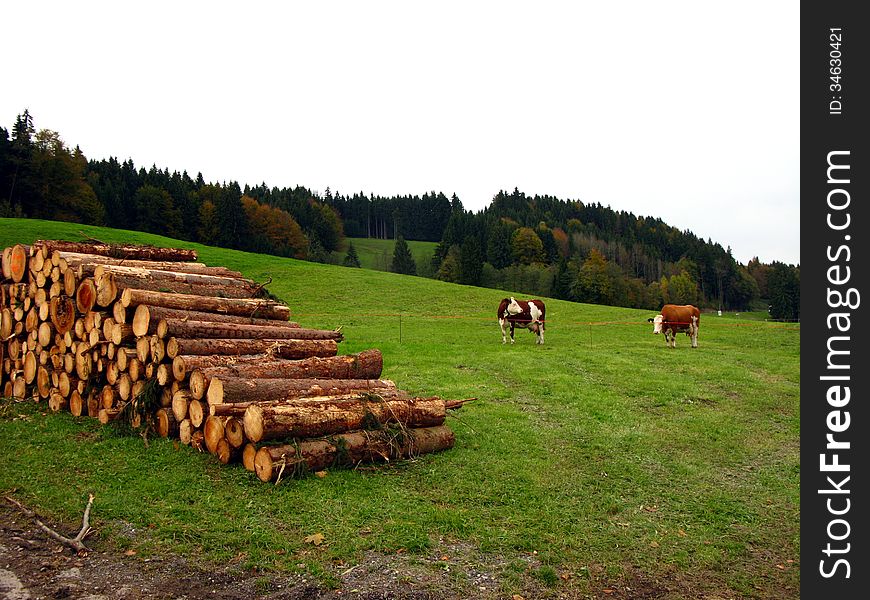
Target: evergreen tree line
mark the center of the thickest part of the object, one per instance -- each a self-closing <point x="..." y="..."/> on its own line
<point x="538" y="245"/>
<point x="541" y="245"/>
<point x="41" y="178"/>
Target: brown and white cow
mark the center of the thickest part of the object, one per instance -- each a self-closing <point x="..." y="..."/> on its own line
<point x="676" y="318"/>
<point x="523" y="314"/>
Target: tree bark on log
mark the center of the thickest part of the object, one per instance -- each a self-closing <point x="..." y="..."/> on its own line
<point x="122" y="251"/>
<point x="124" y="281"/>
<point x="244" y="389"/>
<point x="206" y="329"/>
<point x="312" y="417"/>
<point x="215" y="352"/>
<point x="348" y="449"/>
<point x="247" y="307"/>
<point x="160" y="312"/>
<point x="89" y="262"/>
<point x="367" y="364"/>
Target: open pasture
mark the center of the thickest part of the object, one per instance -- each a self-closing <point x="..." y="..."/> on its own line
<point x="598" y="459"/>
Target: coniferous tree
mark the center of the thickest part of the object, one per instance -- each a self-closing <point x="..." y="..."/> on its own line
<point x="403" y="262"/>
<point x="351" y="259"/>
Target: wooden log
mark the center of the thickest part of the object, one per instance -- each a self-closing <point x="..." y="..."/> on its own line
<point x="122" y="251"/>
<point x="77" y="404"/>
<point x="63" y="313"/>
<point x="107" y="289"/>
<point x="314" y="417"/>
<point x="57" y="401"/>
<point x="348" y="449"/>
<point x="185" y="430"/>
<point x="179" y="328"/>
<point x="197" y="412"/>
<point x="180" y="283"/>
<point x="167" y="426"/>
<point x="160" y="312"/>
<point x="107" y="396"/>
<point x="86" y="296"/>
<point x="180" y="404"/>
<point x="226" y="452"/>
<point x="30" y="367"/>
<point x="70" y="282"/>
<point x="234" y="432"/>
<point x="93" y="402"/>
<point x="249" y="453"/>
<point x="17" y="265"/>
<point x="43" y="381"/>
<point x="88" y="262"/>
<point x="213" y="430"/>
<point x="243" y="389"/>
<point x="248" y="307"/>
<point x="107" y="415"/>
<point x="293" y="349"/>
<point x="45" y="334"/>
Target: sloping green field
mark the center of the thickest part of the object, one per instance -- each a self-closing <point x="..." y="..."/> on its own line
<point x="600" y="453"/>
<point x="378" y="254"/>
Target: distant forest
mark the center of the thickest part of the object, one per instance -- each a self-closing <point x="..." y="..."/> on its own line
<point x="537" y="245"/>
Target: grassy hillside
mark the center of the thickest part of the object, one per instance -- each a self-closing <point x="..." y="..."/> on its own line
<point x="378" y="254"/>
<point x="598" y="456"/>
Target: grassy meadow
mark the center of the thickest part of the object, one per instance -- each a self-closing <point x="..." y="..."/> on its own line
<point x="598" y="455"/>
<point x="378" y="254"/>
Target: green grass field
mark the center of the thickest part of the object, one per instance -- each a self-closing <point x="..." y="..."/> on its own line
<point x="601" y="453"/>
<point x="378" y="254"/>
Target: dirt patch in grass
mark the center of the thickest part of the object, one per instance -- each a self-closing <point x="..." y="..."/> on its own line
<point x="34" y="566"/>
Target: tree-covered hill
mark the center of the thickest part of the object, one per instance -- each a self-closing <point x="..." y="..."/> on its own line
<point x="537" y="245"/>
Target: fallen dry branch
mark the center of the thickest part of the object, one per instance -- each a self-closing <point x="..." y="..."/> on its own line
<point x="76" y="543"/>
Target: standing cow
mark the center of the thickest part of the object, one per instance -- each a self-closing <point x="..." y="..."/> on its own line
<point x="676" y="318"/>
<point x="523" y="314"/>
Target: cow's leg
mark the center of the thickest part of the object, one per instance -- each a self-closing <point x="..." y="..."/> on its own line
<point x="694" y="332"/>
<point x="503" y="335"/>
<point x="540" y="333"/>
<point x="512" y="333"/>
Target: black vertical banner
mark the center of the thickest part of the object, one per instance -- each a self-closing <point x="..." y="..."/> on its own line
<point x="835" y="302"/>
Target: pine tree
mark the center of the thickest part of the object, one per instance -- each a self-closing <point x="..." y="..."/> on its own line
<point x="351" y="259"/>
<point x="403" y="262"/>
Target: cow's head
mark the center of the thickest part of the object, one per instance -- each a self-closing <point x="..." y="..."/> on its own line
<point x="513" y="307"/>
<point x="657" y="323"/>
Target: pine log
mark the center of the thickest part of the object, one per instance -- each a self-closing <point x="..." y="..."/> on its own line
<point x="234" y="432"/>
<point x="30" y="367"/>
<point x="185" y="283"/>
<point x="293" y="349"/>
<point x="107" y="396"/>
<point x="6" y="264"/>
<point x="245" y="389"/>
<point x="197" y="412"/>
<point x="185" y="431"/>
<point x="93" y="402"/>
<point x="43" y="381"/>
<point x="247" y="307"/>
<point x="70" y="282"/>
<point x="63" y="313"/>
<point x="86" y="296"/>
<point x="57" y="402"/>
<point x="17" y="265"/>
<point x="107" y="289"/>
<point x="213" y="430"/>
<point x="166" y="424"/>
<point x="107" y="415"/>
<point x="122" y="251"/>
<point x="89" y="262"/>
<point x="249" y="453"/>
<point x="348" y="449"/>
<point x="206" y="329"/>
<point x="77" y="404"/>
<point x="314" y="417"/>
<point x="180" y="404"/>
<point x="226" y="453"/>
<point x="160" y="312"/>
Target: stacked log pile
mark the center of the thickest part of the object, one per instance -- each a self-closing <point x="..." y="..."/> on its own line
<point x="152" y="337"/>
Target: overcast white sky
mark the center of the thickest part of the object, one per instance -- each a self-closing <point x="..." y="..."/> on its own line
<point x="688" y="111"/>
